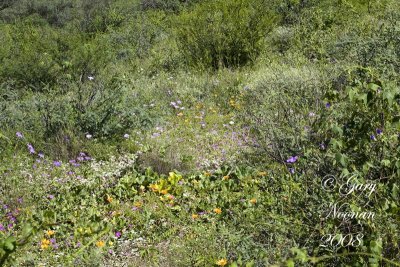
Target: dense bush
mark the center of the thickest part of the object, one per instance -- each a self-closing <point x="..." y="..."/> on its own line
<point x="217" y="34"/>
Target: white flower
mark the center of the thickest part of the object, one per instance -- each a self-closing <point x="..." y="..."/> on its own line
<point x="231" y="123"/>
<point x="89" y="136"/>
<point x="126" y="136"/>
<point x="91" y="78"/>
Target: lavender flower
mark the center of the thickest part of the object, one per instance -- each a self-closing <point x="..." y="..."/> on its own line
<point x="291" y="170"/>
<point x="19" y="135"/>
<point x="292" y="159"/>
<point x="31" y="149"/>
<point x="118" y="234"/>
<point x="41" y="155"/>
<point x="2" y="229"/>
<point x="57" y="163"/>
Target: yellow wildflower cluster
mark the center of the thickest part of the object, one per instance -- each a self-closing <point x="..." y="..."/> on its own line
<point x="217" y="210"/>
<point x="45" y="243"/>
<point x="50" y="232"/>
<point x="222" y="262"/>
<point x="100" y="244"/>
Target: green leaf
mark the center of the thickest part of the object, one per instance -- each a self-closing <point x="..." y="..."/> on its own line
<point x="9" y="243"/>
<point x="290" y="263"/>
<point x="341" y="159"/>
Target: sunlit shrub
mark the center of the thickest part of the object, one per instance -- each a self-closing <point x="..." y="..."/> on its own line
<point x="219" y="34"/>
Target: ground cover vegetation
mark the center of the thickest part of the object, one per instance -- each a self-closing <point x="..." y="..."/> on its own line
<point x="199" y="133"/>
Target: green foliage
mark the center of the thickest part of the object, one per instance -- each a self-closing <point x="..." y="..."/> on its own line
<point x="197" y="133"/>
<point x="217" y="34"/>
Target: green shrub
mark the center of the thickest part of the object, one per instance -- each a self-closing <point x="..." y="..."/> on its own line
<point x="218" y="34"/>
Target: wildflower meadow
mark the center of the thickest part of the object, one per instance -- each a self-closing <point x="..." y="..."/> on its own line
<point x="171" y="133"/>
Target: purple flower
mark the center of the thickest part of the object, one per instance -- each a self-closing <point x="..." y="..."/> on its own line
<point x="328" y="105"/>
<point x="41" y="155"/>
<point x="20" y="200"/>
<point x="292" y="159"/>
<point x="19" y="135"/>
<point x="57" y="163"/>
<point x="82" y="154"/>
<point x="53" y="240"/>
<point x="118" y="234"/>
<point x="72" y="161"/>
<point x="80" y="158"/>
<point x="154" y="135"/>
<point x="2" y="229"/>
<point x="31" y="149"/>
<point x="372" y="137"/>
<point x="379" y="131"/>
<point x="291" y="170"/>
<point x="322" y="146"/>
<point x="50" y="196"/>
<point x="135" y="208"/>
<point x="88" y="158"/>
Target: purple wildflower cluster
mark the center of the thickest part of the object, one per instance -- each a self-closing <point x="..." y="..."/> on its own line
<point x="176" y="105"/>
<point x="158" y="132"/>
<point x="82" y="157"/>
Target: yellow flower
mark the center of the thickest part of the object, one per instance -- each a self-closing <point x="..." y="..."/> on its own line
<point x="217" y="210"/>
<point x="110" y="243"/>
<point x="262" y="173"/>
<point x="180" y="114"/>
<point x="109" y="199"/>
<point x="164" y="192"/>
<point x="207" y="174"/>
<point x="100" y="244"/>
<point x="222" y="262"/>
<point x="195" y="216"/>
<point x="44" y="243"/>
<point x="137" y="204"/>
<point x="153" y="187"/>
<point x="50" y="232"/>
<point x="253" y="201"/>
<point x="226" y="177"/>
